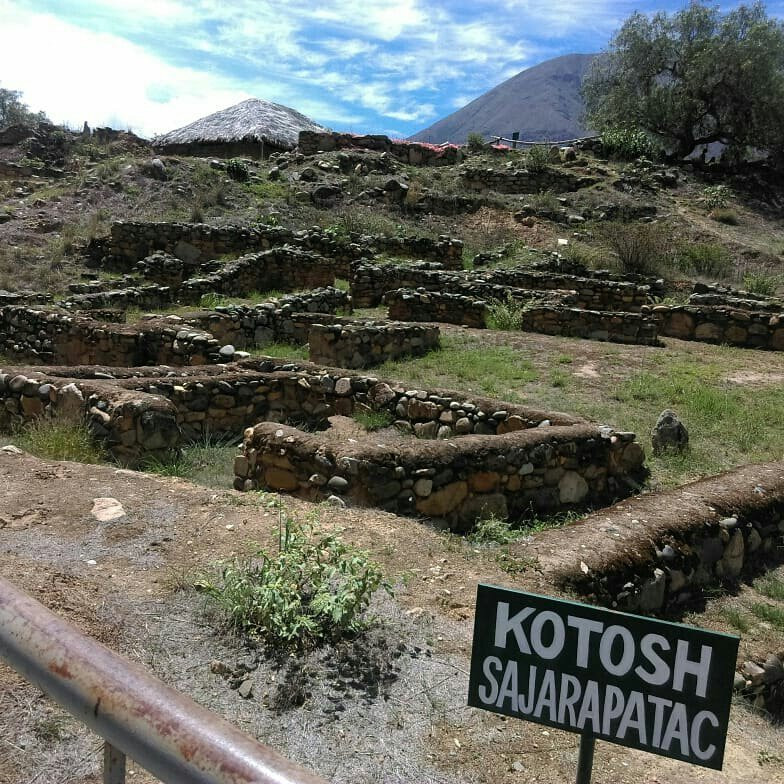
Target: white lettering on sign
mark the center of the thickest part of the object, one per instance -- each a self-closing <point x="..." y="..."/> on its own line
<point x="545" y="634"/>
<point x="601" y="709"/>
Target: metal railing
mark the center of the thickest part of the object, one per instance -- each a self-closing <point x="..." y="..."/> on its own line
<point x="559" y="143"/>
<point x="138" y="716"/>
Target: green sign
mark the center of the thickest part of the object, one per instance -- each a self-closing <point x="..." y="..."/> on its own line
<point x="641" y="682"/>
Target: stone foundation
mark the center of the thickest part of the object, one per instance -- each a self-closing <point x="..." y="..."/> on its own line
<point x="363" y="345"/>
<point x="523" y="181"/>
<point x="660" y="553"/>
<point x="721" y="324"/>
<point x="522" y="473"/>
<point x="414" y="153"/>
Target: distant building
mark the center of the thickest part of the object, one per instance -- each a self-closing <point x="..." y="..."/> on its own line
<point x="252" y="128"/>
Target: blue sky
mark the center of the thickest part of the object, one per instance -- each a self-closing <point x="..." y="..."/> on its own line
<point x="354" y="65"/>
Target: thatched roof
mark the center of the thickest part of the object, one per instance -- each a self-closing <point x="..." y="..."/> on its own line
<point x="251" y="120"/>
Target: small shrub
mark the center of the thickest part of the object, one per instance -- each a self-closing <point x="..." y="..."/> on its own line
<point x="728" y="217"/>
<point x="558" y="378"/>
<point x="626" y="144"/>
<point x="315" y="588"/>
<point x="475" y="142"/>
<point x="492" y="530"/>
<point x="537" y="159"/>
<point x="580" y="253"/>
<point x="544" y="200"/>
<point x="759" y="283"/>
<point x="237" y="170"/>
<point x="211" y="300"/>
<point x="373" y="420"/>
<point x="59" y="438"/>
<point x="197" y="212"/>
<point x="716" y="197"/>
<point x="706" y="259"/>
<point x="641" y="248"/>
<point x="505" y="314"/>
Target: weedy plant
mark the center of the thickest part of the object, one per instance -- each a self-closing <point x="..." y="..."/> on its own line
<point x="759" y="283"/>
<point x="506" y="314"/>
<point x="315" y="589"/>
<point x="716" y="197"/>
<point x="493" y="530"/>
<point x="237" y="170"/>
<point x="641" y="248"/>
<point x="537" y="159"/>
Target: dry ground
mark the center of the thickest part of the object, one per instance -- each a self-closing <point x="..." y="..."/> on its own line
<point x="390" y="708"/>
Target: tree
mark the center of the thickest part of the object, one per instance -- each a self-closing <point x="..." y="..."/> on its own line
<point x="693" y="78"/>
<point x="13" y="111"/>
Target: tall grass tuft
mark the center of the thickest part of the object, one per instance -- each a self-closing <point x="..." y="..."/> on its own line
<point x="59" y="438"/>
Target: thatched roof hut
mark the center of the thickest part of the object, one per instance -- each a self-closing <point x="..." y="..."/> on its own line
<point x="251" y="128"/>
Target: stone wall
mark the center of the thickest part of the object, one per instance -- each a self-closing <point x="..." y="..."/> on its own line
<point x="590" y="324"/>
<point x="226" y="399"/>
<point x="46" y="337"/>
<point x="285" y="268"/>
<point x="590" y="293"/>
<point x="284" y="320"/>
<point x="369" y="284"/>
<point x="458" y="481"/>
<point x="522" y="180"/>
<point x="414" y="153"/>
<point x="660" y="553"/>
<point x="130" y="424"/>
<point x="423" y="305"/>
<point x="721" y="324"/>
<point x="362" y="345"/>
<point x="704" y="294"/>
<point x="149" y="248"/>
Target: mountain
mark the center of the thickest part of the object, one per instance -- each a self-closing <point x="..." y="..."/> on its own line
<point x="542" y="102"/>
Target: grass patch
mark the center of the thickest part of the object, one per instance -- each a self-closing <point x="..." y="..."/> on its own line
<point x="281" y="350"/>
<point x="492" y="370"/>
<point x="759" y="283"/>
<point x="373" y="420"/>
<point x="703" y="258"/>
<point x="736" y="618"/>
<point x="768" y="613"/>
<point x="315" y="588"/>
<point x="559" y="378"/>
<point x="726" y="216"/>
<point x="59" y="438"/>
<point x="770" y="586"/>
<point x="208" y="462"/>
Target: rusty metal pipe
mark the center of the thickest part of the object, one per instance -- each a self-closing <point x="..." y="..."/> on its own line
<point x="164" y="731"/>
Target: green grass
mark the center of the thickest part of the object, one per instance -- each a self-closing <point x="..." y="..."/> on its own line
<point x="770" y="586"/>
<point x="736" y="618"/>
<point x="498" y="371"/>
<point x="282" y="350"/>
<point x="373" y="420"/>
<point x="768" y="613"/>
<point x="208" y="462"/>
<point x="59" y="438"/>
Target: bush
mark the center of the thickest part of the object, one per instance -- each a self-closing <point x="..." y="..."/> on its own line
<point x="537" y="159"/>
<point x="626" y="144"/>
<point x="642" y="248"/>
<point x="315" y="588"/>
<point x="759" y="283"/>
<point x="713" y="261"/>
<point x="237" y="170"/>
<point x="475" y="141"/>
<point x="505" y="314"/>
<point x="716" y="196"/>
